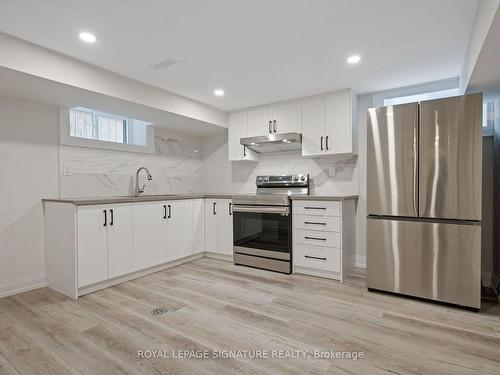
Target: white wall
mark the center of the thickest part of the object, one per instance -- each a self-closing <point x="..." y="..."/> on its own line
<point x="29" y="169"/>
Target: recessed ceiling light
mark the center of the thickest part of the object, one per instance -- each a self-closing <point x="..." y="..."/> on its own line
<point x="219" y="92"/>
<point x="87" y="37"/>
<point x="354" y="59"/>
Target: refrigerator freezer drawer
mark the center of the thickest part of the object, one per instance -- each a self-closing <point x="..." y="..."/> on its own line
<point x="436" y="261"/>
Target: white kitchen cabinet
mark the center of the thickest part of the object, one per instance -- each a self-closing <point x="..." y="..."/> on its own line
<point x="90" y="247"/>
<point x="225" y="226"/>
<point x="341" y="122"/>
<point x="219" y="226"/>
<point x="287" y="117"/>
<point x="313" y="125"/>
<point x="198" y="226"/>
<point x="179" y="226"/>
<point x="92" y="244"/>
<point x="237" y="129"/>
<point x="120" y="240"/>
<point x="276" y="118"/>
<point x="329" y="124"/>
<point x="211" y="243"/>
<point x="104" y="242"/>
<point x="260" y="121"/>
<point x="149" y="234"/>
<point x="324" y="237"/>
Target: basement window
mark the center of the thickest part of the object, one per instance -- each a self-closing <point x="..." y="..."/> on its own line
<point x="420" y="97"/>
<point x="90" y="128"/>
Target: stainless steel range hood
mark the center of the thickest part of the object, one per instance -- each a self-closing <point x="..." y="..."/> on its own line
<point x="274" y="142"/>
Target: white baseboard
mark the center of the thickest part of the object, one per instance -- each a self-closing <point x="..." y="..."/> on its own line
<point x="21" y="285"/>
<point x="225" y="257"/>
<point x="360" y="261"/>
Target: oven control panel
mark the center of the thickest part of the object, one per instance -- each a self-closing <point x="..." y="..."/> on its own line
<point x="283" y="180"/>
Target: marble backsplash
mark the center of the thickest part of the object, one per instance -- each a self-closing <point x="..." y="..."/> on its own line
<point x="176" y="167"/>
<point x="239" y="177"/>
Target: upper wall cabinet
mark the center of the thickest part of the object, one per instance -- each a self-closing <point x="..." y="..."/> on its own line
<point x="276" y="118"/>
<point x="329" y="124"/>
<point x="237" y="130"/>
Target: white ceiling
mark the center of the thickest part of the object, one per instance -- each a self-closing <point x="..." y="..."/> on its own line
<point x="258" y="51"/>
<point x="486" y="73"/>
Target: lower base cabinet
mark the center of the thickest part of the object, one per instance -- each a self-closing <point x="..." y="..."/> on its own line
<point x="180" y="229"/>
<point x="88" y="246"/>
<point x="92" y="244"/>
<point x="149" y="234"/>
<point x="324" y="237"/>
<point x="219" y="226"/>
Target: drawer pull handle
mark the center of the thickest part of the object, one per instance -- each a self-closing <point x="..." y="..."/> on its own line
<point x="314" y="223"/>
<point x="315" y="238"/>
<point x="318" y="258"/>
<point x="314" y="208"/>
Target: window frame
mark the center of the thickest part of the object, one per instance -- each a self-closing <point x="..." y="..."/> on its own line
<point x="68" y="140"/>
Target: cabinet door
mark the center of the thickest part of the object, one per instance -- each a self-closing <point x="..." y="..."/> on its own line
<point x="313" y="126"/>
<point x="237" y="130"/>
<point x="120" y="239"/>
<point x="225" y="226"/>
<point x="338" y="123"/>
<point x="149" y="234"/>
<point x="211" y="211"/>
<point x="199" y="226"/>
<point x="260" y="121"/>
<point x="179" y="229"/>
<point x="287" y="117"/>
<point x="92" y="241"/>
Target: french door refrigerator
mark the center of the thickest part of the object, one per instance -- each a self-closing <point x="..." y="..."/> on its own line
<point x="424" y="174"/>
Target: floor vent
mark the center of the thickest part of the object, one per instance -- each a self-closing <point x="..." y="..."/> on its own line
<point x="159" y="311"/>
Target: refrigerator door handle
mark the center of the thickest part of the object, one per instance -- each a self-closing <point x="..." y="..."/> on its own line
<point x="415" y="163"/>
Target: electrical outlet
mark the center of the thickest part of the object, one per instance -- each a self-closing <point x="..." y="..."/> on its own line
<point x="332" y="171"/>
<point x="66" y="170"/>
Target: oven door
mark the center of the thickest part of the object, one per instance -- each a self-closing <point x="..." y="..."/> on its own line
<point x="262" y="231"/>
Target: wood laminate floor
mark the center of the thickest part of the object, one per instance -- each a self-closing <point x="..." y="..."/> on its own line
<point x="215" y="306"/>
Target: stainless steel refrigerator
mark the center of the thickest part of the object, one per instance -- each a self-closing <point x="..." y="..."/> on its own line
<point x="424" y="169"/>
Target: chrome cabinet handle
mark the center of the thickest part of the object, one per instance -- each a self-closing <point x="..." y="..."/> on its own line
<point x="270" y="126"/>
<point x="315" y="238"/>
<point x="164" y="211"/>
<point x="326" y="142"/>
<point x="169" y="212"/>
<point x="105" y="218"/>
<point x="311" y="257"/>
<point x="274" y="126"/>
<point x="215" y="212"/>
<point x="314" y="223"/>
<point x="321" y="143"/>
<point x="244" y="150"/>
<point x="230" y="210"/>
<point x="112" y="217"/>
<point x="314" y="208"/>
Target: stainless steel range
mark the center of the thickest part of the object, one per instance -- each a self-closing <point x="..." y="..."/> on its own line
<point x="262" y="223"/>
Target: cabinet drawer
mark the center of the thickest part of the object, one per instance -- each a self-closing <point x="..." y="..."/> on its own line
<point x="309" y="222"/>
<point x="316" y="238"/>
<point x="320" y="258"/>
<point x="317" y="208"/>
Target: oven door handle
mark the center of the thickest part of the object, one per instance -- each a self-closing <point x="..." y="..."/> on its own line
<point x="262" y="209"/>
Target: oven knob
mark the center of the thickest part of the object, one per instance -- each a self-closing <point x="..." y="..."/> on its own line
<point x="295" y="178"/>
<point x="259" y="179"/>
<point x="265" y="179"/>
<point x="302" y="178"/>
